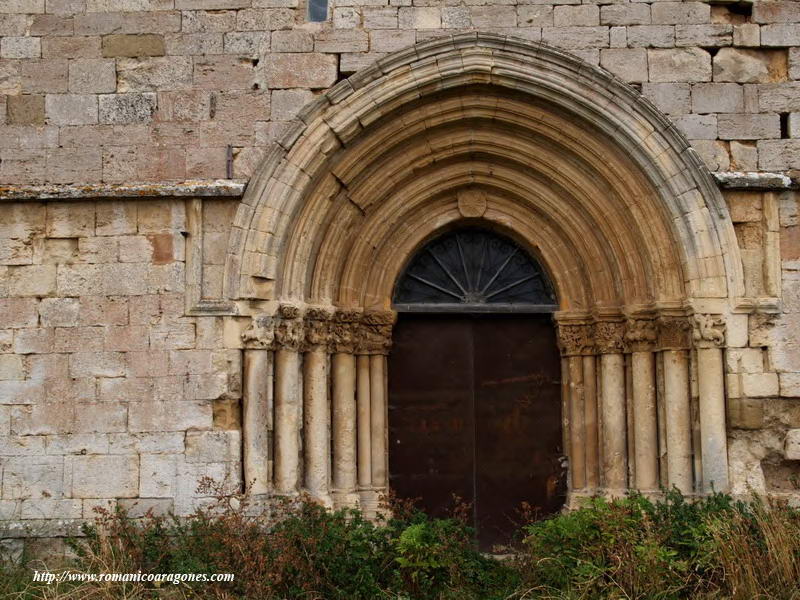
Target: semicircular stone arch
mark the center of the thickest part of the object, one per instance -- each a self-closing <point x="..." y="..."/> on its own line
<point x="574" y="165"/>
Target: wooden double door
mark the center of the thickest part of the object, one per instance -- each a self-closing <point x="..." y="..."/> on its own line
<point x="475" y="410"/>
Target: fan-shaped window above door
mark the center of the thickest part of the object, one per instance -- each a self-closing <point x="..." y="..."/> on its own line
<point x="474" y="270"/>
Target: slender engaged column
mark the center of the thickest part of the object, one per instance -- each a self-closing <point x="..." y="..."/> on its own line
<point x="714" y="443"/>
<point x="364" y="428"/>
<point x="565" y="416"/>
<point x="645" y="424"/>
<point x="577" y="459"/>
<point x="590" y="423"/>
<point x="344" y="430"/>
<point x="615" y="444"/>
<point x="678" y="419"/>
<point x="316" y="415"/>
<point x="709" y="337"/>
<point x="287" y="421"/>
<point x="256" y="420"/>
<point x="377" y="363"/>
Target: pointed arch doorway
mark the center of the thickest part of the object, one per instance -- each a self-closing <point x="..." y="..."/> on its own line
<point x="474" y="383"/>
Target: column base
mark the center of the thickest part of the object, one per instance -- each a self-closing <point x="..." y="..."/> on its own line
<point x="324" y="500"/>
<point x="348" y="499"/>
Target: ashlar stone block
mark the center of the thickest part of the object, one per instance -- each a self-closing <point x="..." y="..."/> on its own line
<point x="27" y="109"/>
<point x="11" y="367"/>
<point x="680" y="12"/>
<point x="301" y="70"/>
<point x="790" y="385"/>
<point x="717" y="98"/>
<point x="20" y="47"/>
<point x="33" y="477"/>
<point x="110" y="476"/>
<point x="780" y="34"/>
<point x="117" y="109"/>
<point x="749" y="66"/>
<point x="679" y="65"/>
<point x="97" y="364"/>
<point x="158" y="475"/>
<point x="212" y="446"/>
<point x="629" y="64"/>
<point x="792" y="444"/>
<point x="670" y="98"/>
<point x="71" y="109"/>
<point x="157" y="73"/>
<point x="92" y="76"/>
<point x="169" y="416"/>
<point x="749" y="127"/>
<point x="760" y="385"/>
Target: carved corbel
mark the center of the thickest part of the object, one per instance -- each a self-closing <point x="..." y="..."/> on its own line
<point x="289" y="328"/>
<point x="640" y="335"/>
<point x="576" y="339"/>
<point x="374" y="333"/>
<point x="261" y="333"/>
<point x="343" y="331"/>
<point x="674" y="333"/>
<point x="708" y="331"/>
<point x="609" y="337"/>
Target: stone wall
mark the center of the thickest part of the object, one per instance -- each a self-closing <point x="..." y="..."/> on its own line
<point x="154" y="90"/>
<point x="107" y="391"/>
<point x="763" y="362"/>
<point x="110" y="393"/>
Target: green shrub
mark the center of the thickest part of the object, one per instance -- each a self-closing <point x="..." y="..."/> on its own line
<point x="632" y="548"/>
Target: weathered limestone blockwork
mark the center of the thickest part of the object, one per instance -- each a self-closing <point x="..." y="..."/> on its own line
<point x="107" y="391"/>
<point x="74" y="68"/>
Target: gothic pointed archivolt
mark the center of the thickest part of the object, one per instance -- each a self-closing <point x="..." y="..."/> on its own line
<point x="566" y="160"/>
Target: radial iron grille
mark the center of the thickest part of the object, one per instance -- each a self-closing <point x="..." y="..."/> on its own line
<point x="474" y="269"/>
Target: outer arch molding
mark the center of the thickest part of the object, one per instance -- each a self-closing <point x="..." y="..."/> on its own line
<point x="276" y="243"/>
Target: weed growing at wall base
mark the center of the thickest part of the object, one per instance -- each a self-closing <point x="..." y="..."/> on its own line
<point x="632" y="548"/>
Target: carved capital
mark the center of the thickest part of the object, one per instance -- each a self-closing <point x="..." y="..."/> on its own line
<point x="374" y="333"/>
<point x="609" y="336"/>
<point x="317" y="327"/>
<point x="343" y="331"/>
<point x="261" y="333"/>
<point x="674" y="333"/>
<point x="289" y="328"/>
<point x="576" y="338"/>
<point x="708" y="331"/>
<point x="640" y="335"/>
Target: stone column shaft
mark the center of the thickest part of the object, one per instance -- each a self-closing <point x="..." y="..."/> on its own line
<point x="615" y="444"/>
<point x="645" y="423"/>
<point x="678" y="419"/>
<point x="287" y="421"/>
<point x="316" y="415"/>
<point x="714" y="441"/>
<point x="363" y="425"/>
<point x="591" y="424"/>
<point x="344" y="430"/>
<point x="256" y="419"/>
<point x="577" y="459"/>
<point x="377" y="371"/>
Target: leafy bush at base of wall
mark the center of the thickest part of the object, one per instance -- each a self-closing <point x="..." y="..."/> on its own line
<point x="631" y="548"/>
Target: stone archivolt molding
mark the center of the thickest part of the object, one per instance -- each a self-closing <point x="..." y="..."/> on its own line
<point x="563" y="150"/>
<point x="641" y="334"/>
<point x="336" y="331"/>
